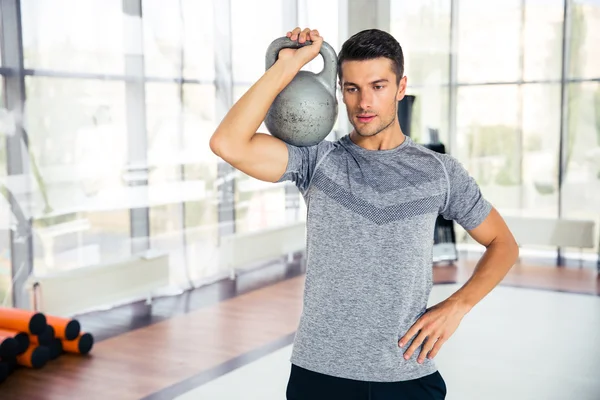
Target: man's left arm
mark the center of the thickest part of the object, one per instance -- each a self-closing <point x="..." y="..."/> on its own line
<point x="436" y="325"/>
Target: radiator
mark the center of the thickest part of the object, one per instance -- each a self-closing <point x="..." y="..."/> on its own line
<point x="71" y="292"/>
<point x="244" y="249"/>
<point x="552" y="232"/>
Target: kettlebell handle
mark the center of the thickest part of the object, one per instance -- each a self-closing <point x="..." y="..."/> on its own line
<point x="329" y="73"/>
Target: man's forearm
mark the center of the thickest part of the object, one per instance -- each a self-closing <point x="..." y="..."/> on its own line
<point x="497" y="260"/>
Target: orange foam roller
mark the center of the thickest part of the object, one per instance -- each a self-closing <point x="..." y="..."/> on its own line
<point x="22" y="339"/>
<point x="22" y="320"/>
<point x="64" y="328"/>
<point x="82" y="345"/>
<point x="35" y="357"/>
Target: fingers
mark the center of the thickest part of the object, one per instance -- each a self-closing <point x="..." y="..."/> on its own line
<point x="427" y="346"/>
<point x="315" y="36"/>
<point x="431" y="344"/>
<point x="411" y="332"/>
<point x="302" y="35"/>
<point x="294" y="34"/>
<point x="437" y="347"/>
<point x="414" y="345"/>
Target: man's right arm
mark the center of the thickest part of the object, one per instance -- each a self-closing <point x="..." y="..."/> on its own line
<point x="236" y="140"/>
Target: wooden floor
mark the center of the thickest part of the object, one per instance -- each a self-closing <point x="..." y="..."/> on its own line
<point x="147" y="360"/>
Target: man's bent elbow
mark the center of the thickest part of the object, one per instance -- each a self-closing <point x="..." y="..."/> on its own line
<point x="216" y="144"/>
<point x="512" y="248"/>
<point x="228" y="150"/>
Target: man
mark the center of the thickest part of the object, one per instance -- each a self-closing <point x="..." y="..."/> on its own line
<point x="373" y="197"/>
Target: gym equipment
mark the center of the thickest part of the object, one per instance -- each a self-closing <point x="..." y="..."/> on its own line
<point x="22" y="320"/>
<point x="22" y="339"/>
<point x="81" y="345"/>
<point x="305" y="111"/>
<point x="35" y="357"/>
<point x="31" y="339"/>
<point x="405" y="111"/>
<point x="65" y="328"/>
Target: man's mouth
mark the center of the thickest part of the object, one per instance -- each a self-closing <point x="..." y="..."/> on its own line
<point x="365" y="118"/>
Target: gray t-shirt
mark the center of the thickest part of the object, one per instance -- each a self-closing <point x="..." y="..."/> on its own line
<point x="370" y="227"/>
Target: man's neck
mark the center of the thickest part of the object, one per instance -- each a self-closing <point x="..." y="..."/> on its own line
<point x="384" y="140"/>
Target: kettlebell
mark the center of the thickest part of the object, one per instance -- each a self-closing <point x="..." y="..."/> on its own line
<point x="305" y="111"/>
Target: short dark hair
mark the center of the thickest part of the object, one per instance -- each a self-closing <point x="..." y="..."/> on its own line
<point x="370" y="44"/>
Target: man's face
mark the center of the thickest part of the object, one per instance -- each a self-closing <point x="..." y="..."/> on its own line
<point x="371" y="94"/>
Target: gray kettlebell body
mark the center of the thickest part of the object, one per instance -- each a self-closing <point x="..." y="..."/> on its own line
<point x="305" y="111"/>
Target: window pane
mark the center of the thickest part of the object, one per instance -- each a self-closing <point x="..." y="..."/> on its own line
<point x="488" y="141"/>
<point x="183" y="176"/>
<point x="5" y="214"/>
<point x="254" y="25"/>
<point x="178" y="41"/>
<point x="489" y="40"/>
<point x="258" y="205"/>
<point x="541" y="140"/>
<point x="585" y="36"/>
<point x="200" y="174"/>
<point x="165" y="142"/>
<point x="581" y="186"/>
<point x="78" y="139"/>
<point x="73" y="35"/>
<point x="423" y="30"/>
<point x="542" y="53"/>
<point x="317" y="14"/>
<point x="430" y="113"/>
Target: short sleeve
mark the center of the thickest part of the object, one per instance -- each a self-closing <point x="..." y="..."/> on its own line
<point x="465" y="203"/>
<point x="303" y="162"/>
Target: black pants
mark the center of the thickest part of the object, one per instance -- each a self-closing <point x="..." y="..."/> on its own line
<point x="308" y="385"/>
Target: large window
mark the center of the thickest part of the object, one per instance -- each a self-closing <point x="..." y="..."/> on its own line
<point x="509" y="135"/>
<point x="88" y="124"/>
<point x="78" y="139"/>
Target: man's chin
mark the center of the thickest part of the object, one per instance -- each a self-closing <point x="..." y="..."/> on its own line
<point x="365" y="133"/>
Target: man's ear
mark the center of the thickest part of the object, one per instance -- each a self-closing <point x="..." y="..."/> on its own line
<point x="401" y="88"/>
